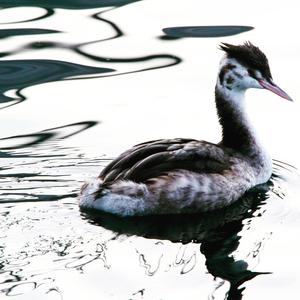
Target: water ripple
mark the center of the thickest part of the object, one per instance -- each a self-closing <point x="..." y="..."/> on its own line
<point x="35" y="167"/>
<point x="48" y="239"/>
<point x="19" y="74"/>
<point x="27" y="140"/>
<point x="48" y="12"/>
<point x="7" y="33"/>
<point x="183" y="228"/>
<point x="78" y="245"/>
<point x="115" y="27"/>
<point x="218" y="232"/>
<point x="67" y="4"/>
<point x="205" y="31"/>
<point x="31" y="72"/>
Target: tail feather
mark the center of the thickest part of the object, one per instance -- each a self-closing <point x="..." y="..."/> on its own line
<point x="124" y="199"/>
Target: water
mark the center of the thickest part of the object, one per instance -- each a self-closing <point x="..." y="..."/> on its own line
<point x="82" y="81"/>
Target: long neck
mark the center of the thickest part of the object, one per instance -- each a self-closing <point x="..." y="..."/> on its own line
<point x="237" y="132"/>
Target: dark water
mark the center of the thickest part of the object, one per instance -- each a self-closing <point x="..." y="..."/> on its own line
<point x="205" y="31"/>
<point x="82" y="81"/>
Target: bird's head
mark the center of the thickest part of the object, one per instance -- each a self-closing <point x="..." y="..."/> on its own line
<point x="246" y="66"/>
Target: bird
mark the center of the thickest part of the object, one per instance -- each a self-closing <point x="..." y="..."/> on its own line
<point x="182" y="175"/>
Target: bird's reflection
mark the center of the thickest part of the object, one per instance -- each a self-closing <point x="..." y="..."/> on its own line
<point x="218" y="249"/>
<point x="217" y="232"/>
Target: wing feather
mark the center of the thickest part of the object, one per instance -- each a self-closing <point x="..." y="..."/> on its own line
<point x="139" y="152"/>
<point x="154" y="158"/>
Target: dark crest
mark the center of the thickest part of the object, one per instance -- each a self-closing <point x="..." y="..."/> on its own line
<point x="250" y="56"/>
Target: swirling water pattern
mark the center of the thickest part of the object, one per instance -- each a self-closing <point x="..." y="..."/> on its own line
<point x="71" y="98"/>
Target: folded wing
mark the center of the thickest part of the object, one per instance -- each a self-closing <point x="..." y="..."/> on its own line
<point x="155" y="158"/>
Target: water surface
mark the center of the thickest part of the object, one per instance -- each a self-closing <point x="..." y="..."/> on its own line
<point x="82" y="81"/>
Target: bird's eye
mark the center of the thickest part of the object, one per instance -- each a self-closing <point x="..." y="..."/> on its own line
<point x="252" y="73"/>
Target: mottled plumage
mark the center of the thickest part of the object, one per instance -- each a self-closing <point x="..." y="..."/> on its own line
<point x="186" y="175"/>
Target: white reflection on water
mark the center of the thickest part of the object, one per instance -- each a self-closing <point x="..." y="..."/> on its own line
<point x="50" y="250"/>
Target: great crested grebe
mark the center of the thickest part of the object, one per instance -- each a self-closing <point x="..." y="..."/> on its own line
<point x="184" y="175"/>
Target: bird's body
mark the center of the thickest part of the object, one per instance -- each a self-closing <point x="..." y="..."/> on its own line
<point x="185" y="175"/>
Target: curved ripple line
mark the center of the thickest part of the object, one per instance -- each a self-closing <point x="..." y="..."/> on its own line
<point x="66" y="4"/>
<point x="84" y="126"/>
<point x="46" y="135"/>
<point x="49" y="12"/>
<point x="118" y="31"/>
<point x="175" y="61"/>
<point x="11" y="291"/>
<point x="37" y="138"/>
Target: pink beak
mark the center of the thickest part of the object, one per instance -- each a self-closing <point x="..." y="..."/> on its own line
<point x="275" y="89"/>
